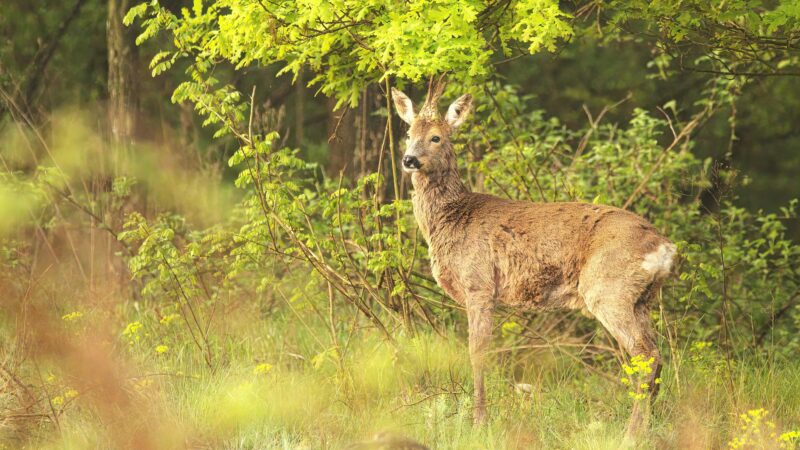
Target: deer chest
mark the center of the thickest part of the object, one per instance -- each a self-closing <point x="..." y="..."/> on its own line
<point x="448" y="281"/>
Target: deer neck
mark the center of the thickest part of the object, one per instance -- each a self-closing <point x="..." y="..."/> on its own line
<point x="434" y="194"/>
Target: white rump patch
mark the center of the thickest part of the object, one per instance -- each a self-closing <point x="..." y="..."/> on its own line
<point x="659" y="262"/>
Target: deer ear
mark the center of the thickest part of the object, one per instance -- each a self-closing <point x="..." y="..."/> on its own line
<point x="459" y="110"/>
<point x="404" y="106"/>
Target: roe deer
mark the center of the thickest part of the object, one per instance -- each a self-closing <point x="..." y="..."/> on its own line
<point x="486" y="250"/>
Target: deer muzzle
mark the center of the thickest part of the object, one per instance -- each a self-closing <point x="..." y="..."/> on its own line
<point x="411" y="163"/>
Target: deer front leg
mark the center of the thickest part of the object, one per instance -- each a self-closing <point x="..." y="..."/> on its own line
<point x="479" y="316"/>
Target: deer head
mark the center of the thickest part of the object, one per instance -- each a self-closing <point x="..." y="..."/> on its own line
<point x="428" y="148"/>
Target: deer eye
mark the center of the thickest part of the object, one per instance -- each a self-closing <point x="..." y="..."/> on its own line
<point x="436" y="139"/>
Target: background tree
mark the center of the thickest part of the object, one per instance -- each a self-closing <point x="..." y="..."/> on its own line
<point x="122" y="86"/>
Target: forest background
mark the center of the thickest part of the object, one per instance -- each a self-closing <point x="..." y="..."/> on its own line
<point x="206" y="240"/>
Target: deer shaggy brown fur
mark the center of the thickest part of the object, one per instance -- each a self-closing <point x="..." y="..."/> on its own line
<point x="487" y="250"/>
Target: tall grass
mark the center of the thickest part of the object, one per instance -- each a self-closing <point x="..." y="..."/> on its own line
<point x="275" y="388"/>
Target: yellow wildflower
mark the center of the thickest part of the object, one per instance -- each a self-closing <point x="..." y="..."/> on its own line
<point x="166" y="320"/>
<point x="636" y="371"/>
<point x="132" y="332"/>
<point x="71" y="317"/>
<point x="789" y="437"/>
<point x="510" y="328"/>
<point x="262" y="368"/>
<point x="701" y="345"/>
<point x="759" y="432"/>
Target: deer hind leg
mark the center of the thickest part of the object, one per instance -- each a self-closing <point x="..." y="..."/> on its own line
<point x="627" y="318"/>
<point x="479" y="316"/>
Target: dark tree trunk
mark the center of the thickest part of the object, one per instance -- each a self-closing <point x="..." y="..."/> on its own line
<point x="299" y="110"/>
<point x="341" y="140"/>
<point x="123" y="101"/>
<point x="371" y="129"/>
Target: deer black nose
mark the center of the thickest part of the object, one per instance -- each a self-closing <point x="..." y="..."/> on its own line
<point x="411" y="162"/>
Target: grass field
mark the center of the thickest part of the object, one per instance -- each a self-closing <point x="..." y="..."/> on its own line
<point x="276" y="381"/>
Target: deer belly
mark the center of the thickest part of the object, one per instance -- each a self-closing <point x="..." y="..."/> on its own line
<point x="545" y="288"/>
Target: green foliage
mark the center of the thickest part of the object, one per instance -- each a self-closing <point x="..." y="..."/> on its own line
<point x="351" y="43"/>
<point x="538" y="23"/>
<point x="732" y="37"/>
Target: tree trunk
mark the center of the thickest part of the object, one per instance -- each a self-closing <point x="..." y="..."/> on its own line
<point x="122" y="97"/>
<point x="370" y="129"/>
<point x="299" y="111"/>
<point x="341" y="140"/>
<point x="122" y="113"/>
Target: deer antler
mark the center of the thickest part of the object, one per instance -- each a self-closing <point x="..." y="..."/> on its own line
<point x="430" y="109"/>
